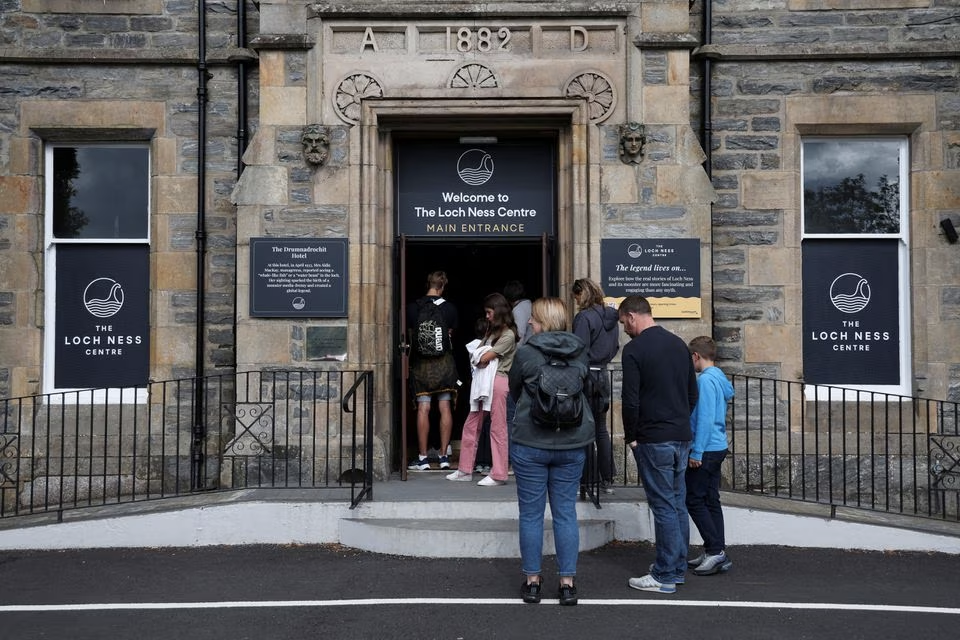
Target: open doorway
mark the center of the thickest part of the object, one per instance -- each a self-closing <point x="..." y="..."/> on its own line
<point x="474" y="269"/>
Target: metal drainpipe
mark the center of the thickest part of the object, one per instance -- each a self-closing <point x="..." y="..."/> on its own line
<point x="198" y="458"/>
<point x="706" y="134"/>
<point x="241" y="86"/>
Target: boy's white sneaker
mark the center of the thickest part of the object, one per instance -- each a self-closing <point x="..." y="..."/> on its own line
<point x="713" y="564"/>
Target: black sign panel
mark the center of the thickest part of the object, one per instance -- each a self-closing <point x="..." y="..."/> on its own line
<point x="665" y="271"/>
<point x="448" y="189"/>
<point x="102" y="316"/>
<point x="298" y="277"/>
<point x="851" y="312"/>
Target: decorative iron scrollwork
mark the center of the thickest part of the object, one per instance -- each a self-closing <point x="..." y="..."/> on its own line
<point x="945" y="462"/>
<point x="254" y="432"/>
<point x="9" y="452"/>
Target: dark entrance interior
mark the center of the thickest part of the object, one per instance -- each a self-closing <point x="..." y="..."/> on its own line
<point x="474" y="270"/>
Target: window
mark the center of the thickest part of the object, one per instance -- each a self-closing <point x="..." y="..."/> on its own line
<point x="100" y="193"/>
<point x="97" y="266"/>
<point x="855" y="263"/>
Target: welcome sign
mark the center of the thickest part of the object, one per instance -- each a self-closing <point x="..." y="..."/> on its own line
<point x="447" y="189"/>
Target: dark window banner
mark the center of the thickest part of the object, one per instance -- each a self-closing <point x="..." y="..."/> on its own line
<point x="851" y="312"/>
<point x="451" y="190"/>
<point x="102" y="316"/>
<point x="298" y="277"/>
<point x="665" y="271"/>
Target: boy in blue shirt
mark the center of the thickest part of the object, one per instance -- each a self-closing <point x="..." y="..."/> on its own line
<point x="707" y="452"/>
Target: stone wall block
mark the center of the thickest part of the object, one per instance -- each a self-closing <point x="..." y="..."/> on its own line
<point x="263" y="185"/>
<point x="771" y="343"/>
<point x="262" y="148"/>
<point x="664" y="17"/>
<point x="938" y="190"/>
<point x="677" y="185"/>
<point x="769" y="190"/>
<point x="773" y="266"/>
<point x="175" y="194"/>
<point x="24" y="156"/>
<point x="265" y="343"/>
<point x="283" y="105"/>
<point x="173" y="270"/>
<point x="19" y="194"/>
<point x="618" y="183"/>
<point x="666" y="105"/>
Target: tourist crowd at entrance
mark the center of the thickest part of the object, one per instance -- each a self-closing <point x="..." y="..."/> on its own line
<point x="538" y="399"/>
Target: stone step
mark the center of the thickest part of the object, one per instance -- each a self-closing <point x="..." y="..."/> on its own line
<point x="458" y="538"/>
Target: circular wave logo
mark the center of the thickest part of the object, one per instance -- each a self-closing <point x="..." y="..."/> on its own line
<point x="475" y="167"/>
<point x="299" y="303"/>
<point x="635" y="250"/>
<point x="850" y="292"/>
<point x="103" y="297"/>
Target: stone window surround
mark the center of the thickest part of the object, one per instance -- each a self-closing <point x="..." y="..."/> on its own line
<point x="910" y="115"/>
<point x="45" y="121"/>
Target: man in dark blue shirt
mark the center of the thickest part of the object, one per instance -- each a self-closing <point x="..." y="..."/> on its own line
<point x="659" y="393"/>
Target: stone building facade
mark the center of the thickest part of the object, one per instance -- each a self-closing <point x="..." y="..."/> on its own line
<point x="222" y="96"/>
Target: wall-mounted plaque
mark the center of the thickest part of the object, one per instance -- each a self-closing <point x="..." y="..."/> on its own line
<point x="298" y="277"/>
<point x="665" y="271"/>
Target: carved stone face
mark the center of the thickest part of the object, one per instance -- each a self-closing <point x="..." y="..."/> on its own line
<point x="316" y="144"/>
<point x="632" y="139"/>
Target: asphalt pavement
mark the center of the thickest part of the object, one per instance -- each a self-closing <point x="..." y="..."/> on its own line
<point x="330" y="591"/>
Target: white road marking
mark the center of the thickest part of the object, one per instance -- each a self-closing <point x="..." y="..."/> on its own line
<point x="279" y="604"/>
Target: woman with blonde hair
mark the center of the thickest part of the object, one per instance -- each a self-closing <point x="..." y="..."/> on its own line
<point x="548" y="462"/>
<point x="598" y="326"/>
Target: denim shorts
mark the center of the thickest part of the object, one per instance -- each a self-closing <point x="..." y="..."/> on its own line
<point x="439" y="396"/>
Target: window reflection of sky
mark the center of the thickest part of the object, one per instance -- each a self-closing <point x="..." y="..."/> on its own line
<point x="827" y="162"/>
<point x="111" y="190"/>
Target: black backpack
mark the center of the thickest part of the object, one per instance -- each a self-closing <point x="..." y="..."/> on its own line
<point x="557" y="395"/>
<point x="431" y="331"/>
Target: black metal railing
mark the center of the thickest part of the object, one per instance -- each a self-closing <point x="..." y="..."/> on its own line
<point x="277" y="429"/>
<point x="836" y="446"/>
<point x="843" y="447"/>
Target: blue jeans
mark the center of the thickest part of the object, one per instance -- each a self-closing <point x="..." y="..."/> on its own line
<point x="703" y="500"/>
<point x="540" y="473"/>
<point x="662" y="468"/>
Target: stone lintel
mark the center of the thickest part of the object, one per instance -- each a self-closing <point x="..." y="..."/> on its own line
<point x="808" y="52"/>
<point x="105" y="56"/>
<point x="452" y="9"/>
<point x="666" y="41"/>
<point x="281" y="41"/>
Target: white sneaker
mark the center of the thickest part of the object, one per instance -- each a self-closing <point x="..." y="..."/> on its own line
<point x="460" y="476"/>
<point x="649" y="583"/>
<point x="490" y="482"/>
<point x="713" y="564"/>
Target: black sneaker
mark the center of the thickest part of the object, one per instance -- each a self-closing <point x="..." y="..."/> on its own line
<point x="530" y="592"/>
<point x="420" y="464"/>
<point x="568" y="595"/>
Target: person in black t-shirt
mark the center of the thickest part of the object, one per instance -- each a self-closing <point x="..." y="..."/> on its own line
<point x="435" y="377"/>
